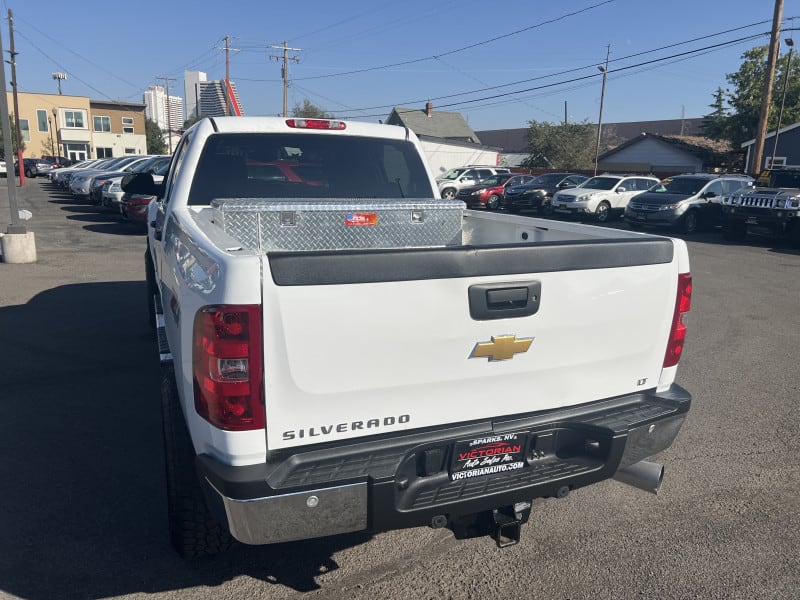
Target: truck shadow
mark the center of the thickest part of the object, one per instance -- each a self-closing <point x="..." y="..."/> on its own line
<point x="84" y="508"/>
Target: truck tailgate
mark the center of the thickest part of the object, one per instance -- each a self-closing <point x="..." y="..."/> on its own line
<point x="363" y="350"/>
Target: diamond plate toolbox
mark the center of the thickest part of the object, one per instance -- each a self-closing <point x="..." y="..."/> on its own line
<point x="296" y="225"/>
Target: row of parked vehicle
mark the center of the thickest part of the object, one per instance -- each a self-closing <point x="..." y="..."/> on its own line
<point x="99" y="182"/>
<point x="686" y="202"/>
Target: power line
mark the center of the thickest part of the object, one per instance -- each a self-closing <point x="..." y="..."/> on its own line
<point x="574" y="79"/>
<point x="462" y="49"/>
<point x="582" y="68"/>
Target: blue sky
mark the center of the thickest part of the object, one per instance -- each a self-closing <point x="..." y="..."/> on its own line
<point x="358" y="59"/>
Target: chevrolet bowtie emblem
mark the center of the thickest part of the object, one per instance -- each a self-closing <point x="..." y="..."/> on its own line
<point x="502" y="347"/>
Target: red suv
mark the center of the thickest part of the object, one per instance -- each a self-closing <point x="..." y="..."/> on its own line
<point x="489" y="191"/>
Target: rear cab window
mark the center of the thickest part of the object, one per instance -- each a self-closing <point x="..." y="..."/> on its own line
<point x="287" y="166"/>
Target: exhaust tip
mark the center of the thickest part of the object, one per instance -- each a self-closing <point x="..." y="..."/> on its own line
<point x="643" y="475"/>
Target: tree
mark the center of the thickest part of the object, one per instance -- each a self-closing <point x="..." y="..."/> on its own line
<point x="13" y="140"/>
<point x="715" y="123"/>
<point x="564" y="147"/>
<point x="739" y="123"/>
<point x="155" y="137"/>
<point x="310" y="110"/>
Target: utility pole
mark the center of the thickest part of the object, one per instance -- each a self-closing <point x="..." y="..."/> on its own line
<point x="766" y="94"/>
<point x="228" y="50"/>
<point x="790" y="43"/>
<point x="168" y="109"/>
<point x="5" y="122"/>
<point x="285" y="70"/>
<point x="13" y="62"/>
<point x="604" y="71"/>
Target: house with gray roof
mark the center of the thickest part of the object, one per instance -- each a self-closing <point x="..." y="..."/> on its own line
<point x="514" y="142"/>
<point x="438" y="124"/>
<point x="667" y="154"/>
<point x="446" y="138"/>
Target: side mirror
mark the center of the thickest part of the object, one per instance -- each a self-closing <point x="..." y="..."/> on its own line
<point x="566" y="185"/>
<point x="140" y="183"/>
<point x="621" y="189"/>
<point x="710" y="195"/>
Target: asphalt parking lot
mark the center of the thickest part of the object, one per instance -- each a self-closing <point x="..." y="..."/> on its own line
<point x="83" y="497"/>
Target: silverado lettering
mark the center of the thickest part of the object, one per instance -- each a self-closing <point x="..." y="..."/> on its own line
<point x="344" y="427"/>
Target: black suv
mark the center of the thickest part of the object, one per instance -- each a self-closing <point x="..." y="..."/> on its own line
<point x="538" y="192"/>
<point x="686" y="202"/>
<point x="772" y="207"/>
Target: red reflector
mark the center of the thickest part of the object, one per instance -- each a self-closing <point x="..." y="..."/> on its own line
<point x="316" y="124"/>
<point x="677" y="335"/>
<point x="226" y="367"/>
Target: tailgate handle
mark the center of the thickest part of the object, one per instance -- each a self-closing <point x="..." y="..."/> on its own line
<point x="504" y="300"/>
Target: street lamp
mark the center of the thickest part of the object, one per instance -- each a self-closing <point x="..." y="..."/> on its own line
<point x="55" y="120"/>
<point x="52" y="143"/>
<point x="59" y="77"/>
<point x="790" y="43"/>
<point x="604" y="71"/>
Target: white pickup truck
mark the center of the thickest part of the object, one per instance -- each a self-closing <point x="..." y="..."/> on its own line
<point x="344" y="351"/>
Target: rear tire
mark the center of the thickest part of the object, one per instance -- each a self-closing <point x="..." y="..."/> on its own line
<point x="150" y="279"/>
<point x="193" y="531"/>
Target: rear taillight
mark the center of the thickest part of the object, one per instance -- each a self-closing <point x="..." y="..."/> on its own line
<point x="316" y="124"/>
<point x="677" y="334"/>
<point x="139" y="200"/>
<point x="226" y="366"/>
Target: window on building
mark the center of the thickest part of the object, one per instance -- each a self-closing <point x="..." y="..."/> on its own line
<point x="25" y="130"/>
<point x="105" y="152"/>
<point x="778" y="161"/>
<point x="127" y="130"/>
<point x="73" y="119"/>
<point x="41" y="120"/>
<point x="102" y="123"/>
<point x="127" y="125"/>
<point x="130" y="151"/>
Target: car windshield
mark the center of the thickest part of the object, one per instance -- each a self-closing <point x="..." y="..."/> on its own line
<point x="686" y="186"/>
<point x="494" y="180"/>
<point x="452" y="174"/>
<point x="548" y="179"/>
<point x="600" y="183"/>
<point x="785" y="179"/>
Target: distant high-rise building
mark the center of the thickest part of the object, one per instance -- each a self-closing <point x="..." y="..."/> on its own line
<point x="166" y="111"/>
<point x="208" y="98"/>
<point x="191" y="91"/>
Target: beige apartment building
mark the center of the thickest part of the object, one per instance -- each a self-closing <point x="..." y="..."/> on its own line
<point x="79" y="128"/>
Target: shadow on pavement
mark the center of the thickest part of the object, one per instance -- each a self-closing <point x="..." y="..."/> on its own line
<point x="83" y="496"/>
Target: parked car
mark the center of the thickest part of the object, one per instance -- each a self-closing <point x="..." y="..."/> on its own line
<point x="80" y="181"/>
<point x="538" y="192"/>
<point x="685" y="201"/>
<point x="3" y="169"/>
<point x="489" y="192"/>
<point x="601" y="196"/>
<point x="112" y="187"/>
<point x="61" y="176"/>
<point x="133" y="208"/>
<point x="451" y="182"/>
<point x="98" y="180"/>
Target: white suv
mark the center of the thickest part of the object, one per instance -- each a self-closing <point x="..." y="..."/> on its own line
<point x="601" y="195"/>
<point x="451" y="182"/>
